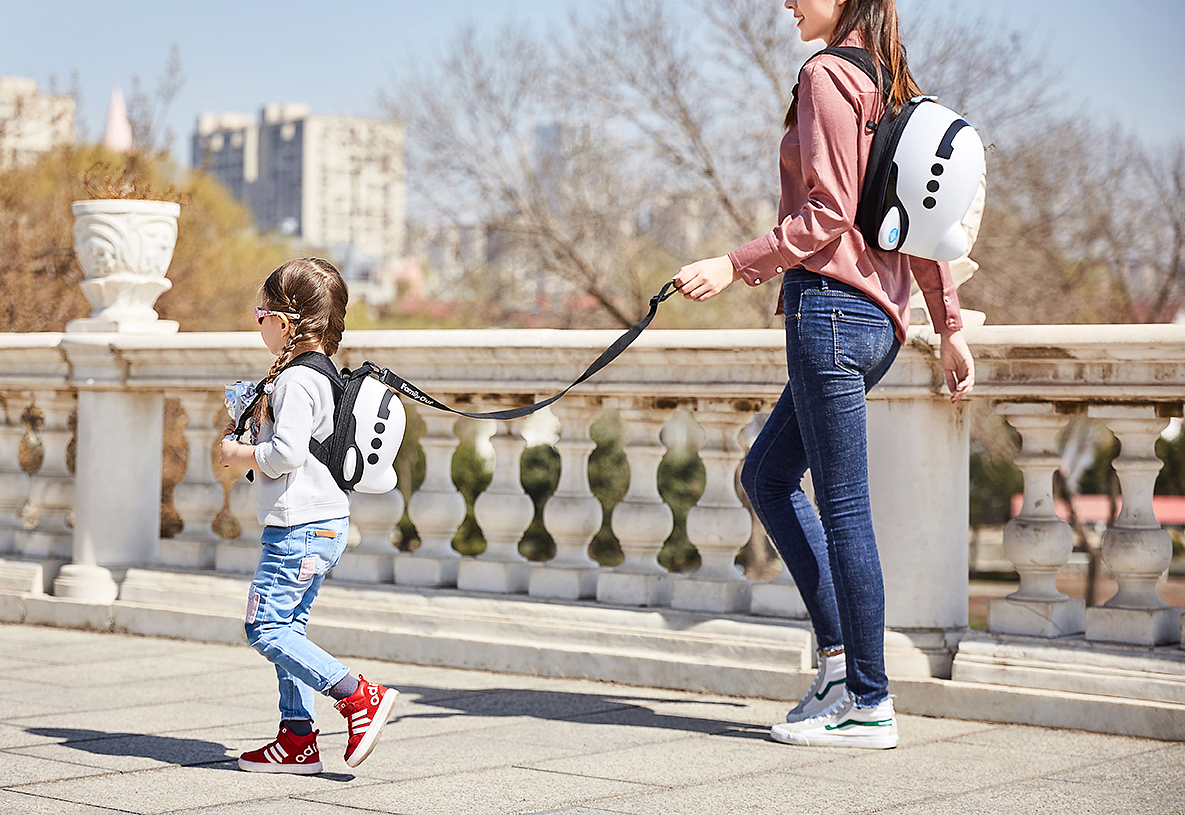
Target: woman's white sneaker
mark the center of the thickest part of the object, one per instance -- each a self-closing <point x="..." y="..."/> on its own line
<point x="843" y="725"/>
<point x="829" y="687"/>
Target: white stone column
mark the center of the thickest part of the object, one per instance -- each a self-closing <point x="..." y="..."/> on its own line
<point x="572" y="514"/>
<point x="503" y="511"/>
<point x="117" y="473"/>
<point x="918" y="481"/>
<point x="718" y="525"/>
<point x="437" y="509"/>
<point x="46" y="515"/>
<point x="641" y="521"/>
<point x="198" y="497"/>
<point x="1037" y="542"/>
<point x="1136" y="549"/>
<point x="372" y="559"/>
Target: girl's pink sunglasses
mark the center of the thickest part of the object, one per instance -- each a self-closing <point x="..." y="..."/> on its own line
<point x="261" y="312"/>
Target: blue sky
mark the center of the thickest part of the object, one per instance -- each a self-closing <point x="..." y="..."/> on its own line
<point x="1123" y="60"/>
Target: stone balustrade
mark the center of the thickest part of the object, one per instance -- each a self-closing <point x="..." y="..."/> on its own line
<point x="80" y="452"/>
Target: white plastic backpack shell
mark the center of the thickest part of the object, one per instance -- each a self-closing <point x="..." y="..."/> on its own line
<point x="378" y="423"/>
<point x="939" y="162"/>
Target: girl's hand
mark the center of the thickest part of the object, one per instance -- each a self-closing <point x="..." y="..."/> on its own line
<point x="232" y="452"/>
<point x="705" y="279"/>
<point x="957" y="365"/>
<point x="226" y="450"/>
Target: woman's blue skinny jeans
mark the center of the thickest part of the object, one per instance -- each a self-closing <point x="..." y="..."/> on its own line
<point x="838" y="345"/>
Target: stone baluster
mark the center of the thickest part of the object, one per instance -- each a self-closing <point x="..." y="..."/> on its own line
<point x="1136" y="549"/>
<point x="241" y="555"/>
<point x="372" y="558"/>
<point x="572" y="514"/>
<point x="780" y="596"/>
<point x="718" y="525"/>
<point x="14" y="482"/>
<point x="198" y="497"/>
<point x="641" y="521"/>
<point x="1037" y="541"/>
<point x="503" y="511"/>
<point x="46" y="515"/>
<point x="437" y="509"/>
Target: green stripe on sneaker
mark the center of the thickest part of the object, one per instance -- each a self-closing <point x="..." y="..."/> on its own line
<point x="877" y="723"/>
<point x="827" y="689"/>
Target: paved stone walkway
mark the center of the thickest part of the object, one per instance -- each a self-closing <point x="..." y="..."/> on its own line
<point x="100" y="723"/>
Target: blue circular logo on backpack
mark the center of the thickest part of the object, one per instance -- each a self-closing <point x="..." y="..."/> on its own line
<point x="893" y="238"/>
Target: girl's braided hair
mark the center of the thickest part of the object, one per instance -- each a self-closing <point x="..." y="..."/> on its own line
<point x="313" y="289"/>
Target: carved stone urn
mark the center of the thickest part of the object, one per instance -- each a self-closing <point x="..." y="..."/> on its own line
<point x="124" y="248"/>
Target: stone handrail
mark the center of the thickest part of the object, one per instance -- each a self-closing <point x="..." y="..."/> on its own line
<point x="81" y="491"/>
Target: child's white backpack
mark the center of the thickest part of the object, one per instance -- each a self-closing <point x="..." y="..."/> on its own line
<point x="368" y="425"/>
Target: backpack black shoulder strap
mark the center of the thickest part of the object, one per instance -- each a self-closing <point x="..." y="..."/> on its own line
<point x="323" y="450"/>
<point x="857" y="56"/>
<point x="323" y="364"/>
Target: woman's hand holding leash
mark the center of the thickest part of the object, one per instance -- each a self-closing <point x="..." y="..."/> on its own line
<point x="705" y="279"/>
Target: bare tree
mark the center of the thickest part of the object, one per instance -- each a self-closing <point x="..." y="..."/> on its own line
<point x="645" y="134"/>
<point x="1163" y="173"/>
<point x="608" y="155"/>
<point x="147" y="110"/>
<point x="474" y="141"/>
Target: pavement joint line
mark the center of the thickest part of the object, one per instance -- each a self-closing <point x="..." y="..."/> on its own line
<point x="63" y="800"/>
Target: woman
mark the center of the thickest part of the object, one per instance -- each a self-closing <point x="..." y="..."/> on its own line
<point x="847" y="309"/>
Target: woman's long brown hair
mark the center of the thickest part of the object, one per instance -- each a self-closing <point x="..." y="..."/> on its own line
<point x="876" y="22"/>
<point x="314" y="289"/>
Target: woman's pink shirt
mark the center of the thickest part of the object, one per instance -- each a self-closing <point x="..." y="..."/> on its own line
<point x="823" y="158"/>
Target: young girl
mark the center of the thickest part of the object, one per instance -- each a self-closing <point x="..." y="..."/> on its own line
<point x="847" y="308"/>
<point x="306" y="519"/>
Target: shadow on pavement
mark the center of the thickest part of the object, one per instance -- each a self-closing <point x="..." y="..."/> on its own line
<point x="561" y="706"/>
<point x="168" y="749"/>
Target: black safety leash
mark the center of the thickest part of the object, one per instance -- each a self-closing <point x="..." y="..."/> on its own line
<point x="400" y="385"/>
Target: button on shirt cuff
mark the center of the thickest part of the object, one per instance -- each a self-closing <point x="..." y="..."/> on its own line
<point x="757" y="261"/>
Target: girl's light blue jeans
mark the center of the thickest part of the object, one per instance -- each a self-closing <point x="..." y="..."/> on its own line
<point x="838" y="345"/>
<point x="291" y="568"/>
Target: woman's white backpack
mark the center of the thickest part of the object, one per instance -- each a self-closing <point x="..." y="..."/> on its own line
<point x="924" y="170"/>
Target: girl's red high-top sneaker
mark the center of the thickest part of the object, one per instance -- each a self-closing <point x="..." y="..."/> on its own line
<point x="366" y="712"/>
<point x="289" y="753"/>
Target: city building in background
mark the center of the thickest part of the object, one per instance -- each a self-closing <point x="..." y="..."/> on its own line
<point x="31" y="123"/>
<point x="338" y="183"/>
